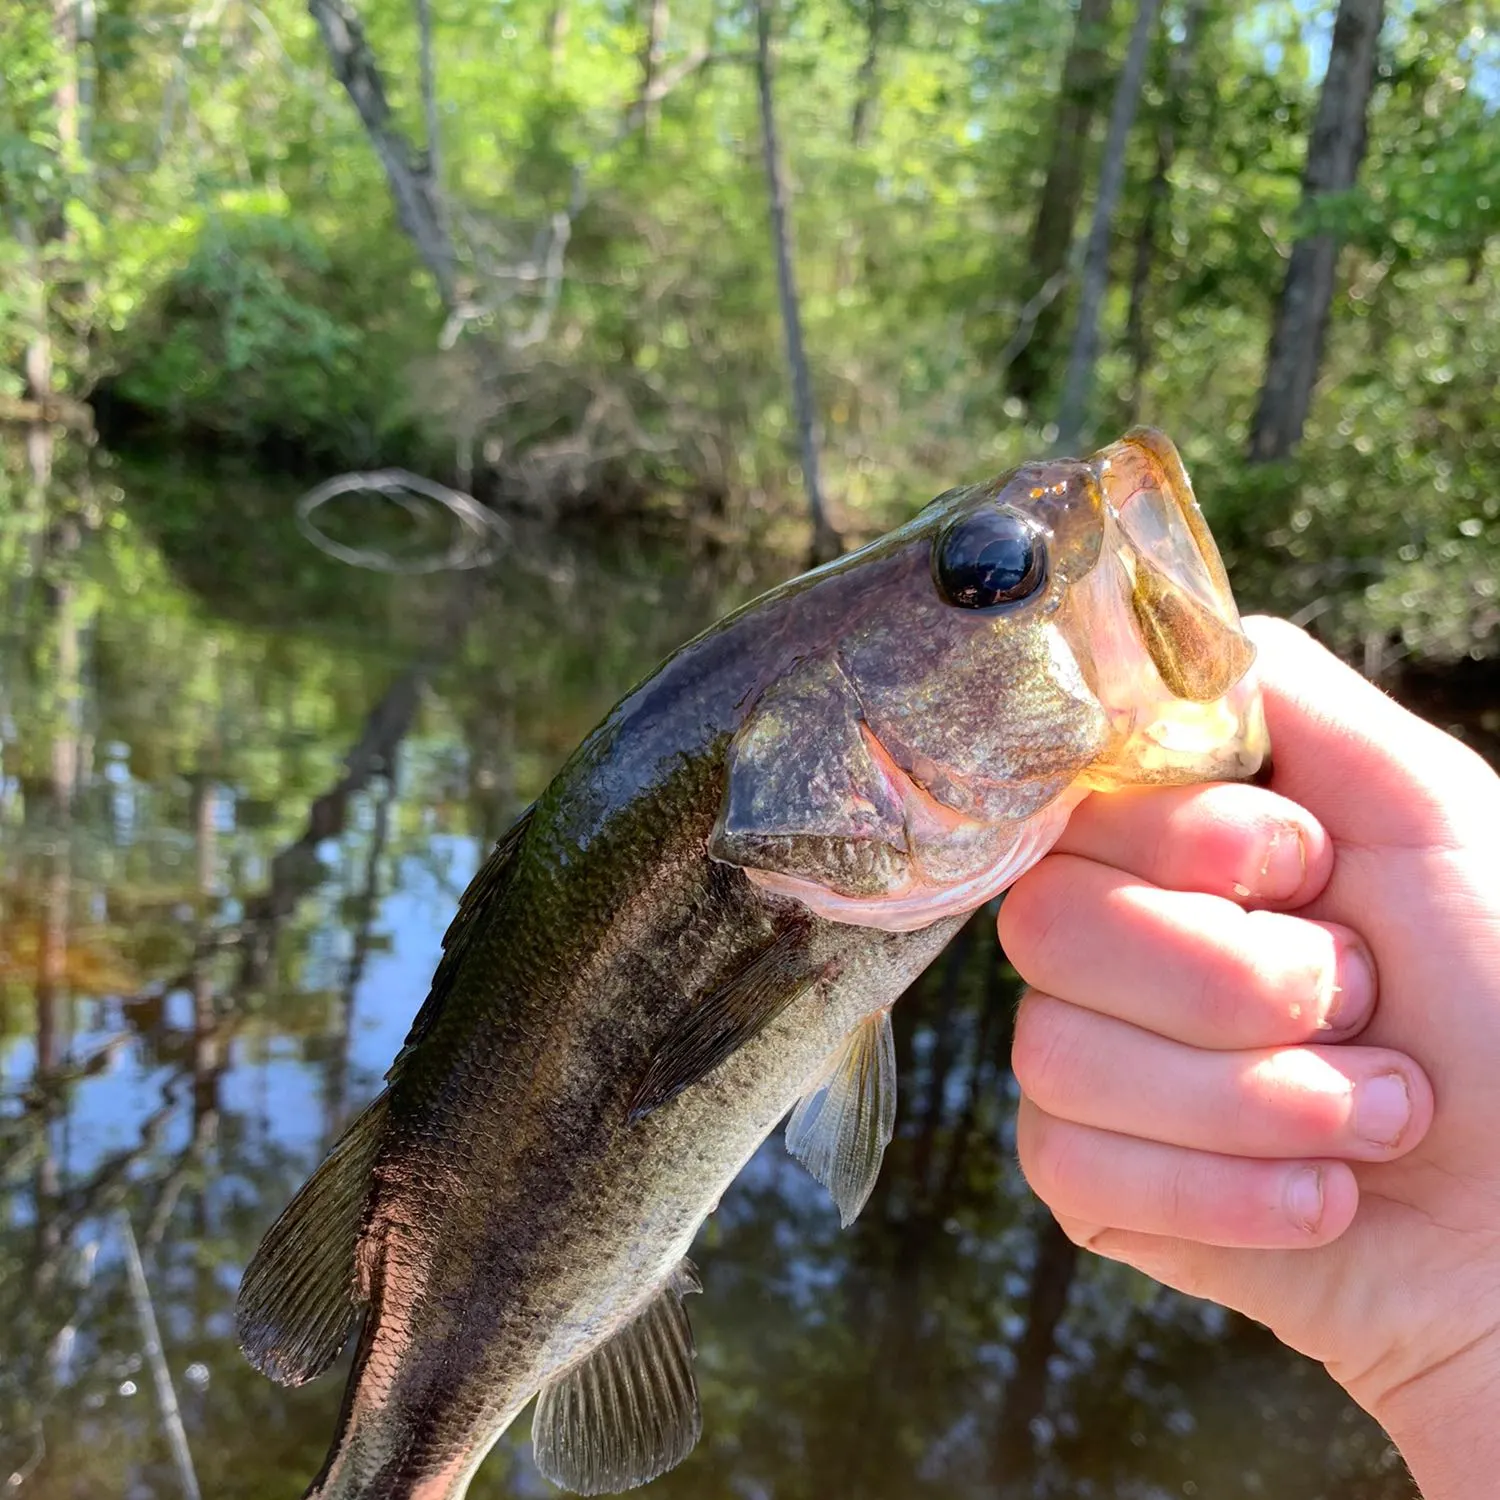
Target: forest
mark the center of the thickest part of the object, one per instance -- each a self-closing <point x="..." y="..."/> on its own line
<point x="555" y="253"/>
<point x="664" y="298"/>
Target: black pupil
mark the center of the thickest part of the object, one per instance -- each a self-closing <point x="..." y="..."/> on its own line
<point x="989" y="559"/>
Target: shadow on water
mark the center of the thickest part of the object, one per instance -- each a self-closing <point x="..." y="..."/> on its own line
<point x="241" y="791"/>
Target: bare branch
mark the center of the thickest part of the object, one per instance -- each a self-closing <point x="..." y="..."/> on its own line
<point x="156" y="1361"/>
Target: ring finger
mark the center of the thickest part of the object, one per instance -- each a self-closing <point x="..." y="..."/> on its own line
<point x="1360" y="1103"/>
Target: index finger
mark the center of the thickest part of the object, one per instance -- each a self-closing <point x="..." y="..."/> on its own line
<point x="1241" y="842"/>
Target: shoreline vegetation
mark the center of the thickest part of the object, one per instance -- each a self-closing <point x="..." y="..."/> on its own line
<point x="692" y="269"/>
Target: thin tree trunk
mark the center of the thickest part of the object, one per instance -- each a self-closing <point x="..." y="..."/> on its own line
<point x="1158" y="197"/>
<point x="557" y="31"/>
<point x="867" y="81"/>
<point x="1084" y="354"/>
<point x="826" y="542"/>
<point x="418" y="204"/>
<point x="1078" y="97"/>
<point x="1025" y="1395"/>
<point x="434" y="162"/>
<point x="1335" y="150"/>
<point x="652" y="50"/>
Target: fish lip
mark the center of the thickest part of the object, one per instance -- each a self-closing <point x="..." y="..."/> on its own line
<point x="1172" y="664"/>
<point x="1147" y="461"/>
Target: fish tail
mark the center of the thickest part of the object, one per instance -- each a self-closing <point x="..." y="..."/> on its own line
<point x="386" y="1448"/>
<point x="382" y="1466"/>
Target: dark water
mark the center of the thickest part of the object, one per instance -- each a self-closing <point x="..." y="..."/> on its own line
<point x="242" y="787"/>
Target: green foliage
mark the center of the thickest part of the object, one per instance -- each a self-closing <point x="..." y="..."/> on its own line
<point x="263" y="330"/>
<point x="211" y="232"/>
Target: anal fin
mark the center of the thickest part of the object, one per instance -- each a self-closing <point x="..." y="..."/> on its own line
<point x="842" y="1125"/>
<point x="296" y="1299"/>
<point x="629" y="1412"/>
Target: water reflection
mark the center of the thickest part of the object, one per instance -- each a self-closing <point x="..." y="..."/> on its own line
<point x="241" y="790"/>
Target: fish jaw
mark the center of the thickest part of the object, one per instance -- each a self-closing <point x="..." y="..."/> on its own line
<point x="1155" y="619"/>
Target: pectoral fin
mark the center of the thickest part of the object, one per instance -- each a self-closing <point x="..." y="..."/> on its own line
<point x="728" y="1018"/>
<point x="841" y="1127"/>
<point x="630" y="1411"/>
<point x="296" y="1299"/>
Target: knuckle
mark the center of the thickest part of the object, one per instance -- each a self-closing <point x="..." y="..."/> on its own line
<point x="1048" y="1152"/>
<point x="1034" y="918"/>
<point x="1176" y="1192"/>
<point x="1044" y="1055"/>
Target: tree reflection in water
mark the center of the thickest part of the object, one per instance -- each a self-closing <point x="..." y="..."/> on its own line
<point x="240" y="796"/>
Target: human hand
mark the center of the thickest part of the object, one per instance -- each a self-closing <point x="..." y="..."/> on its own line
<point x="1260" y="1059"/>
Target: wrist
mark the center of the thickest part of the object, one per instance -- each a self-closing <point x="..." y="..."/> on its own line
<point x="1446" y="1423"/>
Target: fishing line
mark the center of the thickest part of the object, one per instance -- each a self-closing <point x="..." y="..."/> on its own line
<point x="480" y="529"/>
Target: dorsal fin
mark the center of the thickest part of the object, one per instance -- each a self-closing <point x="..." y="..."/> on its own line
<point x="296" y="1300"/>
<point x="629" y="1412"/>
<point x="481" y="898"/>
<point x="728" y="1018"/>
<point x="842" y="1125"/>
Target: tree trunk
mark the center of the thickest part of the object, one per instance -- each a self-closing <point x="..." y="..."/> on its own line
<point x="1158" y="196"/>
<point x="1079" y="94"/>
<point x="409" y="174"/>
<point x="652" y="50"/>
<point x="1084" y="354"/>
<point x="826" y="542"/>
<point x="430" y="129"/>
<point x="556" y="32"/>
<point x="867" y="82"/>
<point x="1334" y="152"/>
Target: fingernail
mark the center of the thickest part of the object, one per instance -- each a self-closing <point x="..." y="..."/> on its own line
<point x="1382" y="1109"/>
<point x="1304" y="1198"/>
<point x="1352" y="996"/>
<point x="1283" y="866"/>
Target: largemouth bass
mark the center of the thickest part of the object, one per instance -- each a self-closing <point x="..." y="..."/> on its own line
<point x="701" y="925"/>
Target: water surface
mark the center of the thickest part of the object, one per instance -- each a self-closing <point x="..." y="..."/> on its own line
<point x="242" y="788"/>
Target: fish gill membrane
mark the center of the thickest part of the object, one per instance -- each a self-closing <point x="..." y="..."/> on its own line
<point x="699" y="929"/>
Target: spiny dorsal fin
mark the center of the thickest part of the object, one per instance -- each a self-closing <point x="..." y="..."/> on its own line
<point x="296" y="1299"/>
<point x="728" y="1018"/>
<point x="842" y="1125"/>
<point x="630" y="1411"/>
<point x="478" y="902"/>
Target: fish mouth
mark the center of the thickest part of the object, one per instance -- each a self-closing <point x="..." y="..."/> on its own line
<point x="1186" y="707"/>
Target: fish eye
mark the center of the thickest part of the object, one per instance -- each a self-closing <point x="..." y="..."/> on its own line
<point x="993" y="558"/>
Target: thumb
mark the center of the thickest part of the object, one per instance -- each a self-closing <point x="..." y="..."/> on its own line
<point x="1372" y="772"/>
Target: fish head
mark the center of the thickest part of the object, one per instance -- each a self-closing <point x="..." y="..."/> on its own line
<point x="1063" y="629"/>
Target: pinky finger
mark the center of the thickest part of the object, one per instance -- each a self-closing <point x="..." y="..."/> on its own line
<point x="1091" y="1177"/>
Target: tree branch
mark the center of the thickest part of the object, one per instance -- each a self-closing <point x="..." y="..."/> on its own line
<point x="418" y="202"/>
